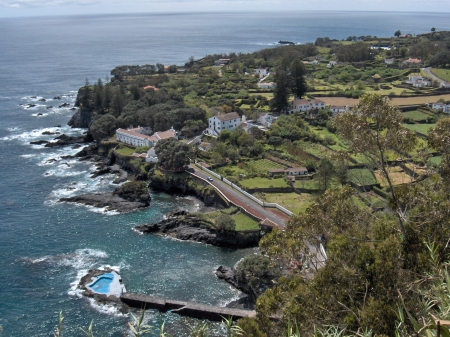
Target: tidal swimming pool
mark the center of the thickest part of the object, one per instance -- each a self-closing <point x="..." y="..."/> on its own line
<point x="102" y="284"/>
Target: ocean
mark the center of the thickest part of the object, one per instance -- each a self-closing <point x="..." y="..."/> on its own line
<point x="46" y="246"/>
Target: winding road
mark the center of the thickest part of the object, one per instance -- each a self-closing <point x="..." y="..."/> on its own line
<point x="277" y="217"/>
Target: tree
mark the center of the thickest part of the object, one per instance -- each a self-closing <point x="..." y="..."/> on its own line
<point x="281" y="91"/>
<point x="172" y="154"/>
<point x="297" y="78"/>
<point x="433" y="29"/>
<point x="374" y="129"/>
<point x="257" y="132"/>
<point x="103" y="126"/>
<point x="439" y="139"/>
<point x="225" y="223"/>
<point x="255" y="271"/>
<point x="397" y="33"/>
<point x="440" y="59"/>
<point x="325" y="172"/>
<point x="160" y="67"/>
<point x="275" y="141"/>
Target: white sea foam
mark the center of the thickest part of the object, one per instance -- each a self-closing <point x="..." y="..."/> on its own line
<point x="82" y="258"/>
<point x="40" y="115"/>
<point x="108" y="309"/>
<point x="26" y="156"/>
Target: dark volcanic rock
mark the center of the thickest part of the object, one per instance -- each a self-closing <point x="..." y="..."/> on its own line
<point x="64" y="105"/>
<point x="182" y="226"/>
<point x="229" y="275"/>
<point x="64" y="140"/>
<point x="39" y="142"/>
<point x="81" y="119"/>
<point x="51" y="133"/>
<point x="108" y="200"/>
<point x="124" y="199"/>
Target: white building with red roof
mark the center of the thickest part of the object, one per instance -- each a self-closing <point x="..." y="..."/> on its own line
<point x="228" y="121"/>
<point x="138" y="137"/>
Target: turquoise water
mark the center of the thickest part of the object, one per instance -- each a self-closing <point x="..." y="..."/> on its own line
<point x="101" y="285"/>
<point x="46" y="246"/>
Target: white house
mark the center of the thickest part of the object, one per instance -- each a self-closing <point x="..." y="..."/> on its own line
<point x="261" y="71"/>
<point x="296" y="171"/>
<point x="302" y="105"/>
<point x="445" y="84"/>
<point x="422" y="83"/>
<point x="418" y="81"/>
<point x="331" y="64"/>
<point x="337" y="109"/>
<point x="151" y="156"/>
<point x="441" y="106"/>
<point x="317" y="104"/>
<point x="389" y="61"/>
<point x="266" y="119"/>
<point x="217" y="124"/>
<point x="134" y="136"/>
<point x="264" y="85"/>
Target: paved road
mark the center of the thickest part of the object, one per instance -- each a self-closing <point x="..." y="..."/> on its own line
<point x="431" y="75"/>
<point x="241" y="200"/>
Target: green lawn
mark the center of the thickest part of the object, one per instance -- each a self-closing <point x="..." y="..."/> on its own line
<point x="310" y="184"/>
<point x="262" y="166"/>
<point x="323" y="132"/>
<point x="317" y="150"/>
<point x="441" y="73"/>
<point x="263" y="183"/>
<point x="416" y="115"/>
<point x="420" y="128"/>
<point x="361" y="177"/>
<point x="126" y="151"/>
<point x="294" y="202"/>
<point x="244" y="222"/>
<point x="231" y="171"/>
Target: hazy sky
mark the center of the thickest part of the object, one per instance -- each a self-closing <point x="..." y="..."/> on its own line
<point x="12" y="8"/>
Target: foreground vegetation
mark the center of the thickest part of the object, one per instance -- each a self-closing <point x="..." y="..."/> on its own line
<point x="376" y="199"/>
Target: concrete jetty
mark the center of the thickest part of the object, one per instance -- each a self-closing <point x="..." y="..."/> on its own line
<point x="190" y="309"/>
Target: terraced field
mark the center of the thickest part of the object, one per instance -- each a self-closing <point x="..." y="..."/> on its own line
<point x="262" y="166"/>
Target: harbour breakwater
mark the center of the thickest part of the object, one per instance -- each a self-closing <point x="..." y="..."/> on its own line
<point x="185" y="308"/>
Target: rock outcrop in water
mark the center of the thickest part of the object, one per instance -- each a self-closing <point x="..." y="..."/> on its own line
<point x="64" y="140"/>
<point x="183" y="226"/>
<point x="126" y="198"/>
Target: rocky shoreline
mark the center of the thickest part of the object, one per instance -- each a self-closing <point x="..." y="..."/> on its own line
<point x="183" y="226"/>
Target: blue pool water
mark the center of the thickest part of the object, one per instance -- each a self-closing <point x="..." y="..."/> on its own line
<point x="102" y="284"/>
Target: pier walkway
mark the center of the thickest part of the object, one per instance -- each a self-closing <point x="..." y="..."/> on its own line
<point x="190" y="309"/>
